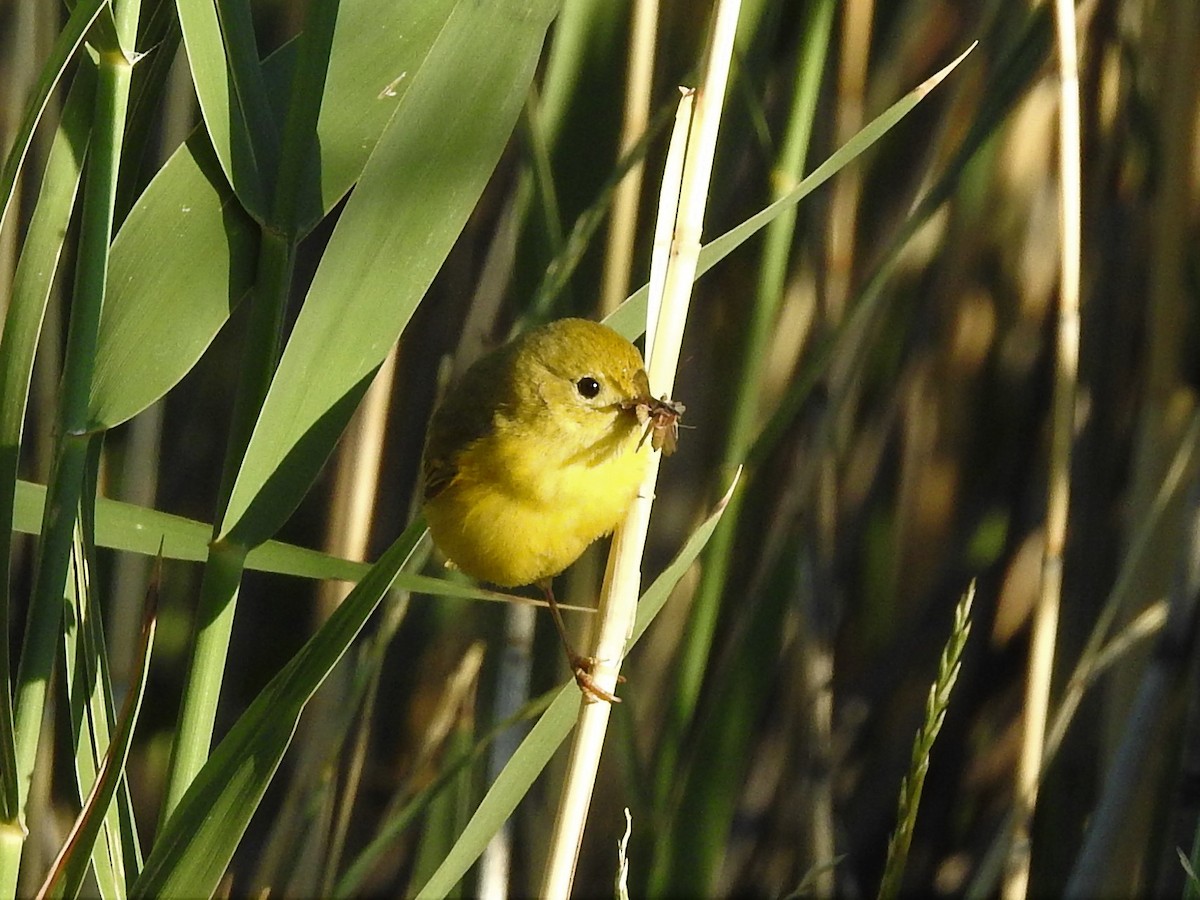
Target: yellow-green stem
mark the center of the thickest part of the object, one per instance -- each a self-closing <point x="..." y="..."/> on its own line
<point x="218" y="599"/>
<point x="223" y="568"/>
<point x="66" y="485"/>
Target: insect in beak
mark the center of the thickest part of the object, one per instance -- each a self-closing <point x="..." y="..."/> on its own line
<point x="661" y="418"/>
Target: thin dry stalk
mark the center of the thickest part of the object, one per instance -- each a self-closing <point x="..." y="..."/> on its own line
<point x="1045" y="622"/>
<point x="618" y="599"/>
<point x="1101" y="867"/>
<point x="843" y="208"/>
<point x="618" y="258"/>
<point x="356" y="482"/>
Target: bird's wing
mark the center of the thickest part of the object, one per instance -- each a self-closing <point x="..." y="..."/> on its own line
<point x="465" y="416"/>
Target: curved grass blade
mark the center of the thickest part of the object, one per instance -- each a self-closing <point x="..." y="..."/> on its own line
<point x="553" y="727"/>
<point x="350" y="883"/>
<point x="65" y="46"/>
<point x="630" y="318"/>
<point x="71" y="865"/>
<point x="562" y="267"/>
<point x="195" y="845"/>
<point x="23" y="324"/>
<point x="92" y="712"/>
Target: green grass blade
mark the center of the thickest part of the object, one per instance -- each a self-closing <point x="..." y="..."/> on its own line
<point x="195" y="845"/>
<point x="558" y="274"/>
<point x="65" y="46"/>
<point x="66" y="490"/>
<point x="1012" y="80"/>
<point x="507" y="791"/>
<point x="124" y="526"/>
<point x="553" y="727"/>
<point x="91" y="716"/>
<point x="69" y="869"/>
<point x="90" y="735"/>
<point x="629" y="319"/>
<point x="382" y="841"/>
<point x="843" y="156"/>
<point x="415" y="194"/>
<point x="32" y="283"/>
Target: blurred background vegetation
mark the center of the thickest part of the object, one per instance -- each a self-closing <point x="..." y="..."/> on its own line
<point x="883" y="364"/>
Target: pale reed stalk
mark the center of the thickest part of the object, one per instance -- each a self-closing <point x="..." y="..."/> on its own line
<point x="618" y="256"/>
<point x="618" y="600"/>
<point x="1045" y="621"/>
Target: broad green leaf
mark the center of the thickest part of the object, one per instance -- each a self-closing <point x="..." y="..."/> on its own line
<point x="553" y="727"/>
<point x="185" y="255"/>
<point x="233" y="97"/>
<point x="32" y="282"/>
<point x="182" y="261"/>
<point x="416" y="192"/>
<point x="194" y="847"/>
<point x="379" y="46"/>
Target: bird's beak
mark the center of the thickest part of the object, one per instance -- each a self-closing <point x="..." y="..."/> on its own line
<point x="641" y="387"/>
<point x="641" y="397"/>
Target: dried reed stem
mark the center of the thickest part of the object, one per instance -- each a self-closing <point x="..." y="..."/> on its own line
<point x="1045" y="621"/>
<point x="618" y="257"/>
<point x="618" y="599"/>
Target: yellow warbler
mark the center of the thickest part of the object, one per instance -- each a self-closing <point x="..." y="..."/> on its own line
<point x="538" y="451"/>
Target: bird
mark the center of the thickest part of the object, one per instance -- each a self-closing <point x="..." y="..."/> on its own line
<point x="537" y="452"/>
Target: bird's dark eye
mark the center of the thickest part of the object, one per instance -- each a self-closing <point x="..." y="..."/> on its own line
<point x="588" y="387"/>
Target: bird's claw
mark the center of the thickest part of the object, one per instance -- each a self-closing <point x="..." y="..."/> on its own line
<point x="584" y="667"/>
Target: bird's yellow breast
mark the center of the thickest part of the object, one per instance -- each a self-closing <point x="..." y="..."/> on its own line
<point x="514" y="515"/>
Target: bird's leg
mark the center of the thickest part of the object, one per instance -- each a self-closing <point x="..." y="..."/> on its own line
<point x="582" y="666"/>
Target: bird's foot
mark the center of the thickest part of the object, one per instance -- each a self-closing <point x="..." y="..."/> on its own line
<point x="584" y="668"/>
